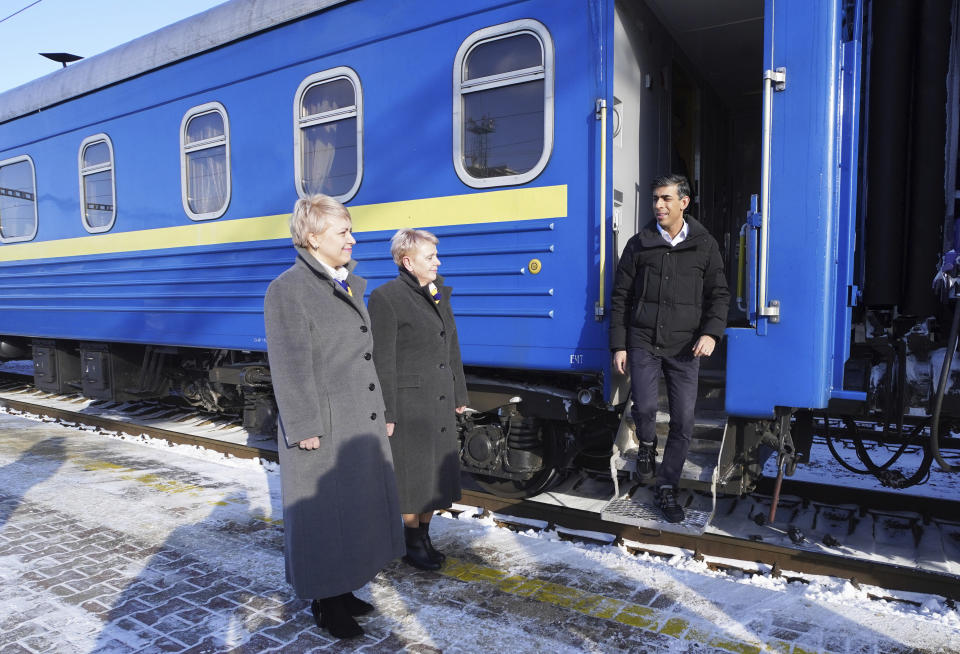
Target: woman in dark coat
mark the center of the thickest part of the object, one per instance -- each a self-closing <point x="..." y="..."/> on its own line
<point x="339" y="492"/>
<point x="418" y="361"/>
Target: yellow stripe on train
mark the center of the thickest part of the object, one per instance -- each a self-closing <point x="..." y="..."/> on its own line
<point x="473" y="208"/>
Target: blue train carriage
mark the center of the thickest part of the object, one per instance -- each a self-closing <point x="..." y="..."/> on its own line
<point x="145" y="199"/>
<point x="146" y="193"/>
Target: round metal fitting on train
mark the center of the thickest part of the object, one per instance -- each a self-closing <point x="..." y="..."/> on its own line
<point x="534" y="266"/>
<point x="585" y="396"/>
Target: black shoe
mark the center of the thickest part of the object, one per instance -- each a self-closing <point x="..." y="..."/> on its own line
<point x="646" y="463"/>
<point x="417" y="554"/>
<point x="667" y="501"/>
<point x="355" y="605"/>
<point x="433" y="553"/>
<point x="331" y="614"/>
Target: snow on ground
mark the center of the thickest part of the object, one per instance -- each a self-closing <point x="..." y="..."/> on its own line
<point x="823" y="468"/>
<point x="526" y="591"/>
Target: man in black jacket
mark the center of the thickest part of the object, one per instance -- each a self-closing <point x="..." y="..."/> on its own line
<point x="668" y="309"/>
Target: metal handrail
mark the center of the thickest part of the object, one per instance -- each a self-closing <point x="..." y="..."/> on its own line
<point x="772" y="80"/>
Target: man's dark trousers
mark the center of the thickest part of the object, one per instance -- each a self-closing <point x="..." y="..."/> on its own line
<point x="680" y="372"/>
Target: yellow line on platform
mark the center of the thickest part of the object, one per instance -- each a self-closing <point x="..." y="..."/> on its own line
<point x="609" y="608"/>
<point x="642" y="617"/>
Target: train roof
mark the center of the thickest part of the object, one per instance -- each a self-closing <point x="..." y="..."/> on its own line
<point x="215" y="27"/>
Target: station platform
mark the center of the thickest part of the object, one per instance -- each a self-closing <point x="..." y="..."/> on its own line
<point x="110" y="545"/>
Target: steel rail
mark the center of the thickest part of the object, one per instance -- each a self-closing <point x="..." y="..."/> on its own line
<point x="134" y="429"/>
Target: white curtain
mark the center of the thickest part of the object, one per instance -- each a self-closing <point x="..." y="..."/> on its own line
<point x="207" y="179"/>
<point x="319" y="151"/>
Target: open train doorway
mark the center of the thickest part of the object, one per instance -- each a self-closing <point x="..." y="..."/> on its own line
<point x="688" y="79"/>
<point x="687" y="99"/>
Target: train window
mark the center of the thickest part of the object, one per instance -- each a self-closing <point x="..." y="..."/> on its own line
<point x="98" y="208"/>
<point x="205" y="161"/>
<point x="503" y="104"/>
<point x="328" y="130"/>
<point x="18" y="200"/>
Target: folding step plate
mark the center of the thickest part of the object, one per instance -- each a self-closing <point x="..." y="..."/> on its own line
<point x="697" y="496"/>
<point x="640" y="510"/>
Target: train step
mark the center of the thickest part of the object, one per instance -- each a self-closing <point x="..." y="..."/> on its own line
<point x="635" y="505"/>
<point x="640" y="509"/>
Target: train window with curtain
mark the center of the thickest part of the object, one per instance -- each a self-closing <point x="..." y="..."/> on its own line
<point x="18" y="200"/>
<point x="98" y="193"/>
<point x="328" y="130"/>
<point x="205" y="161"/>
<point x="503" y="104"/>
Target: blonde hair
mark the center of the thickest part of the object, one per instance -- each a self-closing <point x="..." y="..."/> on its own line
<point x="310" y="216"/>
<point x="405" y="241"/>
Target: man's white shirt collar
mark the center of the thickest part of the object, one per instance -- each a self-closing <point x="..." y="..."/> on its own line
<point x="679" y="238"/>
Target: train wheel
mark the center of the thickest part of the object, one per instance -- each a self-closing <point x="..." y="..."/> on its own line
<point x="513" y="489"/>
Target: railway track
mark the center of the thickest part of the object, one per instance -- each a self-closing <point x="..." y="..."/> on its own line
<point x="181" y="426"/>
<point x="745" y="554"/>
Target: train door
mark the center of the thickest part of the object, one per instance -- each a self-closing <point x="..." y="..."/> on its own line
<point x="800" y="235"/>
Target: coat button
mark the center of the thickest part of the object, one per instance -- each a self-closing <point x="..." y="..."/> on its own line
<point x="442" y="397"/>
<point x="443" y="429"/>
<point x="373" y="416"/>
<point x="372" y="386"/>
<point x="363" y="328"/>
<point x="441" y="366"/>
<point x="367" y="356"/>
<point x="443" y="332"/>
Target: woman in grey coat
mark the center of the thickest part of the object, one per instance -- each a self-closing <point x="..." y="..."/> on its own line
<point x="418" y="361"/>
<point x="339" y="491"/>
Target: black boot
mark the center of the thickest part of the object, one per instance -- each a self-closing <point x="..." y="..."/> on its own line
<point x="435" y="555"/>
<point x="331" y="614"/>
<point x="355" y="605"/>
<point x="646" y="463"/>
<point x="667" y="500"/>
<point x="417" y="554"/>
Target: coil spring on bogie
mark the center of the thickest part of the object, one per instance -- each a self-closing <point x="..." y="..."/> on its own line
<point x="524" y="434"/>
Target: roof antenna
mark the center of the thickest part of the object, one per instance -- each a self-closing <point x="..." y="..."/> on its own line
<point x="62" y="57"/>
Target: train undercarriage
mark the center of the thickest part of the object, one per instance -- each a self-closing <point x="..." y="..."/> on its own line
<point x="523" y="433"/>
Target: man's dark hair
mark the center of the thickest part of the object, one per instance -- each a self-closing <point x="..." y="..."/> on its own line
<point x="683" y="186"/>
